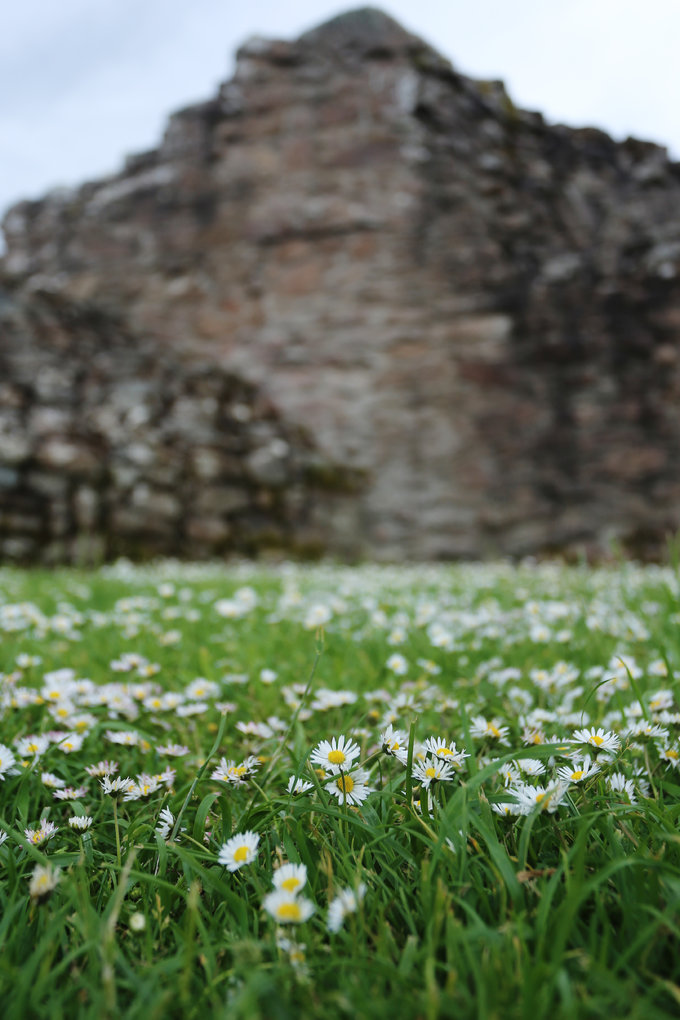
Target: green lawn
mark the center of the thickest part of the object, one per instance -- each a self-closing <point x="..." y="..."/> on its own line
<point x="340" y="792"/>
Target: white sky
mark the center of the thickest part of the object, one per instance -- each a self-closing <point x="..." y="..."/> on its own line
<point x="85" y="82"/>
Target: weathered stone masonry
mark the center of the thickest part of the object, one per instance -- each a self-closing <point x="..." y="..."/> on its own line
<point x="357" y="302"/>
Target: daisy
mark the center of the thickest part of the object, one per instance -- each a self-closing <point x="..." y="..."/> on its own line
<point x="346" y="902"/>
<point x="350" y="789"/>
<point x="601" y="740"/>
<point x="670" y="755"/>
<point x="578" y="770"/>
<point x="33" y="745"/>
<point x="70" y="793"/>
<point x="432" y="770"/>
<point x="174" y="750"/>
<point x="7" y="761"/>
<point x="71" y="742"/>
<point x="230" y="772"/>
<point x="530" y="766"/>
<point x="43" y="881"/>
<point x="128" y="738"/>
<point x="144" y="787"/>
<point x="618" y="783"/>
<point x="546" y="798"/>
<point x="117" y="785"/>
<point x="505" y="809"/>
<point x="392" y="741"/>
<point x="39" y="836"/>
<point x="286" y="908"/>
<point x="492" y="729"/>
<point x="166" y="820"/>
<point x="397" y="664"/>
<point x="290" y="877"/>
<point x="317" y="615"/>
<point x="102" y="768"/>
<point x="509" y="773"/>
<point x="298" y="785"/>
<point x="446" y="751"/>
<point x="239" y="850"/>
<point x="80" y="822"/>
<point x="336" y="755"/>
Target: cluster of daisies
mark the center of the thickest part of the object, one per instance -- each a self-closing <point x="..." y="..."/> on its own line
<point x="493" y="672"/>
<point x="285" y="903"/>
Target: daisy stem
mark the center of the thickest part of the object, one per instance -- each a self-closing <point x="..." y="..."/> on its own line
<point x="115" y="822"/>
<point x="409" y="764"/>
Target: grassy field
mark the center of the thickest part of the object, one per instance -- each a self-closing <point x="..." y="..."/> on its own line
<point x="326" y="792"/>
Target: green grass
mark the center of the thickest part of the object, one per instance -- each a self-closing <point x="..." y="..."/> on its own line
<point x="566" y="906"/>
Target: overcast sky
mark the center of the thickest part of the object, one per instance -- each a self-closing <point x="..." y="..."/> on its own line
<point x="84" y="82"/>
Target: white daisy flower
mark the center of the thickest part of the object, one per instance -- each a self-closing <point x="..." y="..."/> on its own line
<point x="491" y="729"/>
<point x="70" y="793"/>
<point x="236" y="774"/>
<point x="439" y="747"/>
<point x="618" y="783"/>
<point x="530" y="766"/>
<point x="239" y="850"/>
<point x="346" y="902"/>
<point x="290" y="877"/>
<point x="397" y="664"/>
<point x="601" y="740"/>
<point x="545" y="798"/>
<point x="393" y="741"/>
<point x="43" y="881"/>
<point x="34" y="745"/>
<point x="578" y="770"/>
<point x="286" y="908"/>
<point x="7" y="761"/>
<point x="316" y="616"/>
<point x="166" y="820"/>
<point x="350" y="788"/>
<point x="80" y="822"/>
<point x="117" y="785"/>
<point x="298" y="785"/>
<point x="41" y="835"/>
<point x="432" y="770"/>
<point x="336" y="755"/>
<point x="173" y="750"/>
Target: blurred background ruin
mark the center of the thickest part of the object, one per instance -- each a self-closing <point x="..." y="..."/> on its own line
<point x="354" y="296"/>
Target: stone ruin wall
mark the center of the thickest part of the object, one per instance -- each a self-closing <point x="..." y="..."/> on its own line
<point x="356" y="303"/>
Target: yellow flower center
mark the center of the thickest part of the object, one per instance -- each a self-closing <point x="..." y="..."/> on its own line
<point x="241" y="854"/>
<point x="671" y="754"/>
<point x="493" y="730"/>
<point x="336" y="757"/>
<point x="288" y="912"/>
<point x="290" y="884"/>
<point x="577" y="775"/>
<point x="345" y="783"/>
<point x="444" y="750"/>
<point x="431" y="773"/>
<point x="598" y="741"/>
<point x="539" y="797"/>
